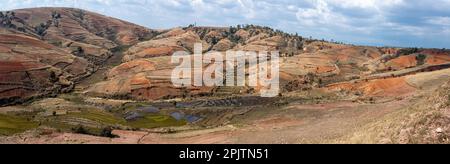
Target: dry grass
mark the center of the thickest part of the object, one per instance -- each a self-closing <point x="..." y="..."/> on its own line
<point x="425" y="122"/>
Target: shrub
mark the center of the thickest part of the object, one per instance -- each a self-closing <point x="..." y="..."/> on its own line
<point x="421" y="59"/>
<point x="107" y="132"/>
<point x="407" y="51"/>
<point x="53" y="77"/>
<point x="40" y="29"/>
<point x="80" y="130"/>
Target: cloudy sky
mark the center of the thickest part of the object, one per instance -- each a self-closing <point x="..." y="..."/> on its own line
<point x="415" y="23"/>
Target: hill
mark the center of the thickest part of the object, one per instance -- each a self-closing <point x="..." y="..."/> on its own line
<point x="48" y="50"/>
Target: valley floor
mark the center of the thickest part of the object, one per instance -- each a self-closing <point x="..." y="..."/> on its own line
<point x="296" y="122"/>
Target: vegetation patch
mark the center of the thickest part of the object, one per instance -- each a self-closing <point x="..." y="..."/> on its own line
<point x="154" y="121"/>
<point x="98" y="116"/>
<point x="421" y="59"/>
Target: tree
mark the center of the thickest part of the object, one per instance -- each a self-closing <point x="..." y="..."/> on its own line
<point x="79" y="14"/>
<point x="407" y="51"/>
<point x="40" y="29"/>
<point x="232" y="30"/>
<point x="53" y="77"/>
<point x="56" y="15"/>
<point x="214" y="40"/>
<point x="79" y="50"/>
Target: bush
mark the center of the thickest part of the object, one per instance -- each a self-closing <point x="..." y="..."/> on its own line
<point x="421" y="59"/>
<point x="56" y="15"/>
<point x="80" y="130"/>
<point x="79" y="14"/>
<point x="21" y="29"/>
<point x="407" y="51"/>
<point x="107" y="132"/>
<point x="40" y="30"/>
<point x="53" y="77"/>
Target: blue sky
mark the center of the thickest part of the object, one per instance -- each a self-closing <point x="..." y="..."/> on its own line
<point x="408" y="23"/>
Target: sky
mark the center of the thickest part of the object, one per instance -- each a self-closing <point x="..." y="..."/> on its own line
<point x="399" y="23"/>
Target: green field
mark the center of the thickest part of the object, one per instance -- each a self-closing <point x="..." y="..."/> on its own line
<point x="154" y="121"/>
<point x="98" y="116"/>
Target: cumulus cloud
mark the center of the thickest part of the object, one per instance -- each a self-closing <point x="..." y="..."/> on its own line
<point x="418" y="23"/>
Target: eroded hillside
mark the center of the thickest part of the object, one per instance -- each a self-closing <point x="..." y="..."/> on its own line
<point x="46" y="51"/>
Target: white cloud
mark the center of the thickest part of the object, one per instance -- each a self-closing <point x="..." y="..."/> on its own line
<point x="366" y="4"/>
<point x="321" y="14"/>
<point x="442" y="21"/>
<point x="358" y="21"/>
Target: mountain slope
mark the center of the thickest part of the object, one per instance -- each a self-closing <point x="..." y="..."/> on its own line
<point x="31" y="67"/>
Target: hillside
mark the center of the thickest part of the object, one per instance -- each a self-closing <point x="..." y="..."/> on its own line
<point x="424" y="122"/>
<point x="48" y="50"/>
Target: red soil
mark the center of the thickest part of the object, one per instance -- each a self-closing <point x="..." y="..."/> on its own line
<point x="438" y="59"/>
<point x="160" y="51"/>
<point x="4" y="49"/>
<point x="134" y="66"/>
<point x="23" y="40"/>
<point x="437" y="56"/>
<point x="17" y="66"/>
<point x="403" y="62"/>
<point x="379" y="87"/>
